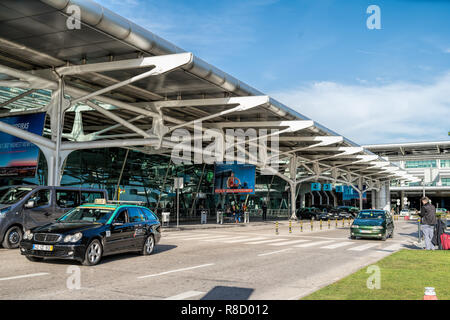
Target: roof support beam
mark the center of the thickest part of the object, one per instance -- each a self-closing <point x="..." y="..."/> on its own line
<point x="166" y="64"/>
<point x="118" y="119"/>
<point x="161" y="63"/>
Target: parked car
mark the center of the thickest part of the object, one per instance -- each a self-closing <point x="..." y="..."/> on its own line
<point x="309" y="213"/>
<point x="372" y="224"/>
<point x="25" y="207"/>
<point x="347" y="212"/>
<point x="91" y="231"/>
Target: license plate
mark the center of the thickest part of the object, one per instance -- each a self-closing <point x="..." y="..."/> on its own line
<point x="365" y="231"/>
<point x="42" y="247"/>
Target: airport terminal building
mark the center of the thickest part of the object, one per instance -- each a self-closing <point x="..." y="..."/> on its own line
<point x="429" y="161"/>
<point x="98" y="101"/>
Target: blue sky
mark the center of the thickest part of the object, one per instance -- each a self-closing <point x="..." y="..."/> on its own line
<point x="318" y="57"/>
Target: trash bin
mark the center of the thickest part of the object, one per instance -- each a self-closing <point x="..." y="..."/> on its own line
<point x="246" y="217"/>
<point x="219" y="216"/>
<point x="165" y="218"/>
<point x="204" y="214"/>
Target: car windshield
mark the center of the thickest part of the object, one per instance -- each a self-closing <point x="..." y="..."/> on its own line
<point x="94" y="215"/>
<point x="12" y="195"/>
<point x="370" y="215"/>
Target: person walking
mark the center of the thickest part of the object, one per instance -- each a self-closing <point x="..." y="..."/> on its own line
<point x="428" y="218"/>
<point x="264" y="211"/>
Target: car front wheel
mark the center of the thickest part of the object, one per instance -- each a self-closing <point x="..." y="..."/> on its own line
<point x="12" y="238"/>
<point x="93" y="253"/>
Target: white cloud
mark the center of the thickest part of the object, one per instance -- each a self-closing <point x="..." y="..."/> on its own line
<point x="395" y="112"/>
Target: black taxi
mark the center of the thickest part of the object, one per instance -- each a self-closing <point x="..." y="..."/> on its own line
<point x="91" y="231"/>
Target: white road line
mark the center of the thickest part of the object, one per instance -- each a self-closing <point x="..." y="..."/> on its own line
<point x="232" y="238"/>
<point x="25" y="276"/>
<point x="177" y="270"/>
<point x="206" y="238"/>
<point x="243" y="240"/>
<point x="185" y="295"/>
<point x="268" y="253"/>
<point x="364" y="247"/>
<point x="195" y="237"/>
<point x="311" y="244"/>
<point x="183" y="237"/>
<point x="287" y="243"/>
<point x="219" y="238"/>
<point x="265" y="241"/>
<point x="337" y="245"/>
<point x="179" y="235"/>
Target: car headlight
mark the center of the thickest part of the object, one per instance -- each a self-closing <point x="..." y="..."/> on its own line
<point x="378" y="227"/>
<point x="28" y="235"/>
<point x="355" y="226"/>
<point x="3" y="212"/>
<point x="73" y="237"/>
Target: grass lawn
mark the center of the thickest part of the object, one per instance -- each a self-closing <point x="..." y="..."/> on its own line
<point x="404" y="275"/>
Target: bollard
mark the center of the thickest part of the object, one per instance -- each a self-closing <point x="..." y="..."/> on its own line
<point x="276" y="227"/>
<point x="301" y="225"/>
<point x="329" y="224"/>
<point x="343" y="222"/>
<point x="335" y="220"/>
<point x="311" y="225"/>
<point x="320" y="224"/>
<point x="418" y="232"/>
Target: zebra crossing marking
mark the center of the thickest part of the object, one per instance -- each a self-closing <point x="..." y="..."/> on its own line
<point x="265" y="241"/>
<point x="224" y="238"/>
<point x="337" y="245"/>
<point x="311" y="244"/>
<point x="364" y="247"/>
<point x="287" y="243"/>
<point x="195" y="237"/>
<point x="243" y="240"/>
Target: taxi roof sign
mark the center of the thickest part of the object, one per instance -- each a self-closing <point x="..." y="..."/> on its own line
<point x="100" y="201"/>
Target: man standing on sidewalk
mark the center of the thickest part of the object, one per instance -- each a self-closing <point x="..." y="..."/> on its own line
<point x="264" y="211"/>
<point x="428" y="219"/>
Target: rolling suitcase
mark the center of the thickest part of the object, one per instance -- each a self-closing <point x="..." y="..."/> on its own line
<point x="445" y="241"/>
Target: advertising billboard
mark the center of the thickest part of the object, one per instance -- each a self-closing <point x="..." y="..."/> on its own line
<point x="234" y="178"/>
<point x="350" y="194"/>
<point x="19" y="158"/>
<point x="316" y="186"/>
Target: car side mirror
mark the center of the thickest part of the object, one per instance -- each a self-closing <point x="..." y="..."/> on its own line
<point x="30" y="204"/>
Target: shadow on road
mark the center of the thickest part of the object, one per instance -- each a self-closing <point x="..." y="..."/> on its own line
<point x="228" y="293"/>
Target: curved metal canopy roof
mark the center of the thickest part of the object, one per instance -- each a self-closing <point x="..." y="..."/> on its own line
<point x="109" y="51"/>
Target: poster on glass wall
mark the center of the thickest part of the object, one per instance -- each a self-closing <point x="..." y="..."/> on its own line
<point x="234" y="178"/>
<point x="18" y="157"/>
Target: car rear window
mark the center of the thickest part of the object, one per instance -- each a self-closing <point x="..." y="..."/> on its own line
<point x="148" y="214"/>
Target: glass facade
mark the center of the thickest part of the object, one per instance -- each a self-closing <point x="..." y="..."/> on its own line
<point x="445" y="163"/>
<point x="420" y="164"/>
<point x="446" y="182"/>
<point x="149" y="178"/>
